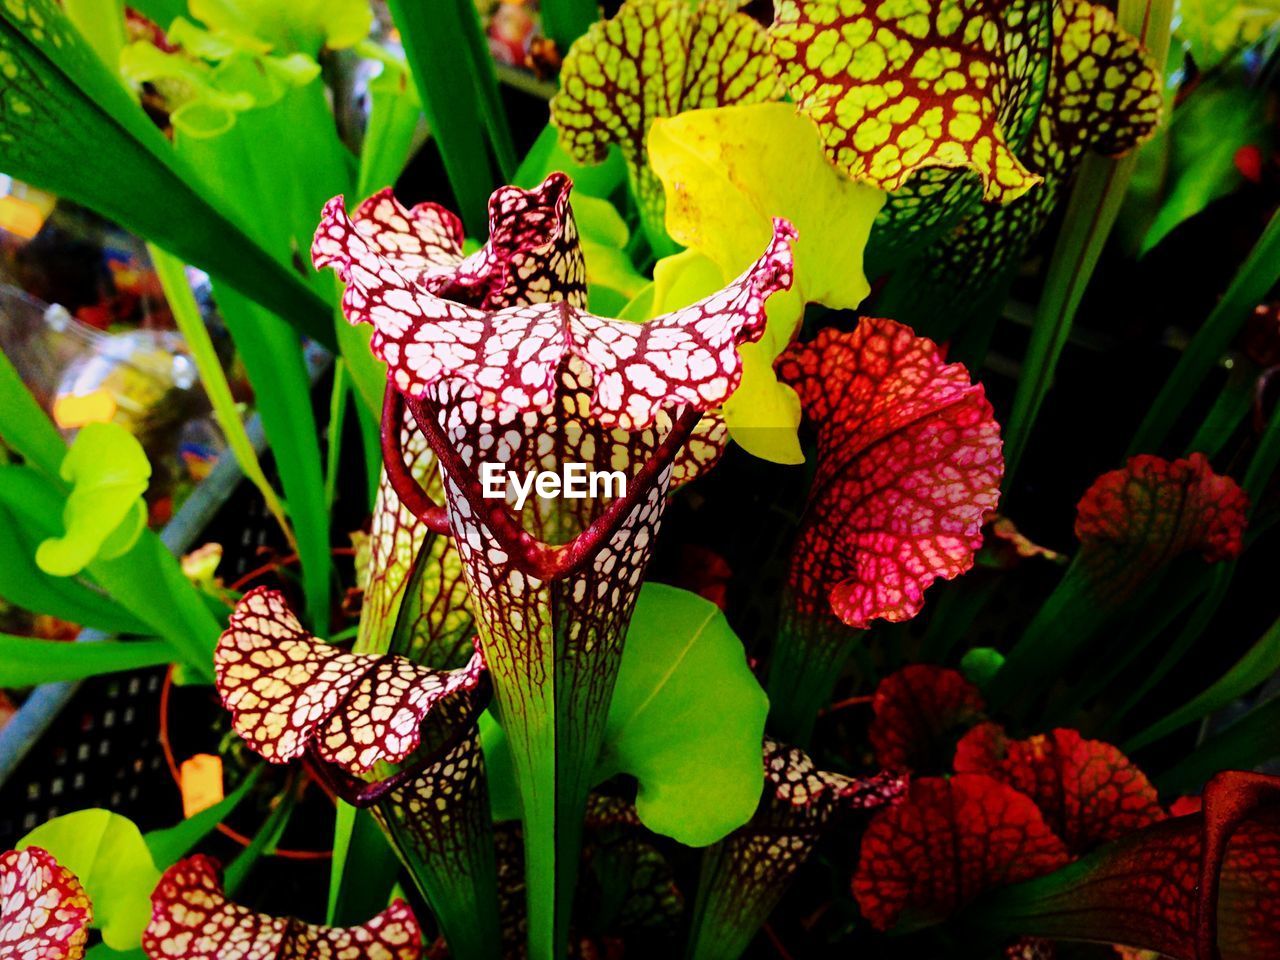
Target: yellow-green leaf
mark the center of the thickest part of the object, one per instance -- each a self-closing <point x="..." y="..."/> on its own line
<point x="727" y="173"/>
<point x="104" y="514"/>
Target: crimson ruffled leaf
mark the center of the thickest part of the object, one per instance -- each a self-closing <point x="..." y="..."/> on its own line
<point x="44" y="911"/>
<point x="1200" y="887"/>
<point x="919" y="713"/>
<point x="951" y="841"/>
<point x="1134" y="520"/>
<point x="191" y="919"/>
<point x="287" y="691"/>
<point x="909" y="468"/>
<point x="1088" y="791"/>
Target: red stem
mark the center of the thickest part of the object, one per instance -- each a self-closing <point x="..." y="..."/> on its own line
<point x="406" y="486"/>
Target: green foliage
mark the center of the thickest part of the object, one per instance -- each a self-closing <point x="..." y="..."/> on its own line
<point x="110" y="857"/>
<point x="27" y="662"/>
<point x="103" y="516"/>
<point x="686" y="720"/>
<point x="69" y="126"/>
<point x="456" y="86"/>
<point x="171" y="844"/>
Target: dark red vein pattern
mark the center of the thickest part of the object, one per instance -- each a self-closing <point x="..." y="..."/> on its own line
<point x="191" y="919"/>
<point x="44" y="912"/>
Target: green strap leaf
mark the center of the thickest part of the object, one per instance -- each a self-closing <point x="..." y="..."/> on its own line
<point x="27" y="662"/>
<point x="1256" y="276"/>
<point x="277" y="370"/>
<point x="171" y="844"/>
<point x="186" y="314"/>
<point x="449" y="79"/>
<point x="24" y="426"/>
<point x="70" y="127"/>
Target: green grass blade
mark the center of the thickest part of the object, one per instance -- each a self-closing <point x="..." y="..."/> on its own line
<point x="495" y="115"/>
<point x="363" y="869"/>
<point x="1256" y="276"/>
<point x="186" y="314"/>
<point x="1245" y="744"/>
<point x="338" y="397"/>
<point x="278" y="374"/>
<point x="70" y="127"/>
<point x="25" y="427"/>
<point x="264" y="841"/>
<point x="1257" y="666"/>
<point x="171" y="844"/>
<point x="435" y="45"/>
<point x="1091" y="212"/>
<point x="1226" y="414"/>
<point x="28" y="662"/>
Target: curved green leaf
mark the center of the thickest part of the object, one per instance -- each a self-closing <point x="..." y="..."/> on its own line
<point x="104" y="513"/>
<point x="687" y="718"/>
<point x="108" y="855"/>
<point x="27" y="661"/>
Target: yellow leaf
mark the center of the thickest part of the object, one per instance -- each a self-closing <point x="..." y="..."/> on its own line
<point x="727" y="173"/>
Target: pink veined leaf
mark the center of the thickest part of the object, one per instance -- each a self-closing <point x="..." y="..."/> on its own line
<point x="510" y="357"/>
<point x="1134" y="520"/>
<point x="909" y="469"/>
<point x="191" y="919"/>
<point x="287" y="691"/>
<point x="44" y="911"/>
<point x="1088" y="791"/>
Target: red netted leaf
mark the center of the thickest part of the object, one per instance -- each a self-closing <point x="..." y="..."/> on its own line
<point x="1200" y="887"/>
<point x="287" y="690"/>
<point x="1136" y="519"/>
<point x="191" y="919"/>
<point x="510" y="358"/>
<point x="1088" y="791"/>
<point x="909" y="467"/>
<point x="44" y="912"/>
<point x="951" y="841"/>
<point x="895" y="88"/>
<point x="920" y="713"/>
